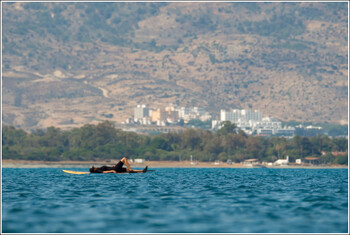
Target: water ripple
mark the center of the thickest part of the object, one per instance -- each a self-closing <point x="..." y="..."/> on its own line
<point x="176" y="201"/>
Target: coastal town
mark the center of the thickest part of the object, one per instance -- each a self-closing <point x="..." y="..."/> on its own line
<point x="179" y="117"/>
<point x="172" y="118"/>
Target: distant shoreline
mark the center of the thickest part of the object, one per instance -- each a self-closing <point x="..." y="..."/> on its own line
<point x="9" y="163"/>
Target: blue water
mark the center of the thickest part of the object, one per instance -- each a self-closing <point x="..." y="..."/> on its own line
<point x="176" y="200"/>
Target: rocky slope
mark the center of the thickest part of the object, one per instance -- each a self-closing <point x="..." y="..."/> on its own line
<point x="68" y="64"/>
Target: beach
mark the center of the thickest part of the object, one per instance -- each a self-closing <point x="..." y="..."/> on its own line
<point x="9" y="163"/>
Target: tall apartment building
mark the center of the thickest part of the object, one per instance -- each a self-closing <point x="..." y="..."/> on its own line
<point x="232" y="116"/>
<point x="183" y="112"/>
<point x="255" y="115"/>
<point x="237" y="115"/>
<point x="140" y="112"/>
<point x="158" y="115"/>
<point x="253" y="122"/>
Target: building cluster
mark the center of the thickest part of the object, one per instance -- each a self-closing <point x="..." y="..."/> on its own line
<point x="282" y="162"/>
<point x="253" y="123"/>
<point x="309" y="127"/>
<point x="145" y="116"/>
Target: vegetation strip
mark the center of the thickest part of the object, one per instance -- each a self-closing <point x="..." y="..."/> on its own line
<point x="104" y="141"/>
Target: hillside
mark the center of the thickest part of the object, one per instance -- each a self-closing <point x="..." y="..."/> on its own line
<point x="68" y="64"/>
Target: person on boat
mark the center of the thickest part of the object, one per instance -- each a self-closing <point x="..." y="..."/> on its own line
<point x="117" y="168"/>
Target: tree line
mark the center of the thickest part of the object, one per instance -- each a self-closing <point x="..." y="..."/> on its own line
<point x="103" y="142"/>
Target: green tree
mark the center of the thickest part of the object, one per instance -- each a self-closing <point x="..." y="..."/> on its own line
<point x="321" y="143"/>
<point x="342" y="160"/>
<point x="297" y="142"/>
<point x="12" y="136"/>
<point x="227" y="127"/>
<point x="160" y="143"/>
<point x="213" y="145"/>
<point x="191" y="138"/>
<point x="340" y="144"/>
<point x="104" y="141"/>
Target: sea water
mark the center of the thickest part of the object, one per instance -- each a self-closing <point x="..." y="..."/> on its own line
<point x="176" y="200"/>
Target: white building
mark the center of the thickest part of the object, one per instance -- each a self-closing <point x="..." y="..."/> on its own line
<point x="205" y="117"/>
<point x="280" y="162"/>
<point x="183" y="112"/>
<point x="188" y="114"/>
<point x="287" y="131"/>
<point x="232" y="116"/>
<point x="252" y="122"/>
<point x="240" y="115"/>
<point x="160" y="123"/>
<point x="139" y="160"/>
<point x="145" y="121"/>
<point x="215" y="124"/>
<point x="199" y="111"/>
<point x="140" y="112"/>
<point x="247" y="115"/>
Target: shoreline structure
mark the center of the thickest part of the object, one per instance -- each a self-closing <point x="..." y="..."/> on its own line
<point x="9" y="163"/>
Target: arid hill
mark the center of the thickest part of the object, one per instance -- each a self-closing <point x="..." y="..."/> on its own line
<point x="68" y="64"/>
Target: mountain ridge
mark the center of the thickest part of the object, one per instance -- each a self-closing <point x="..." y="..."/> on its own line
<point x="68" y="64"/>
